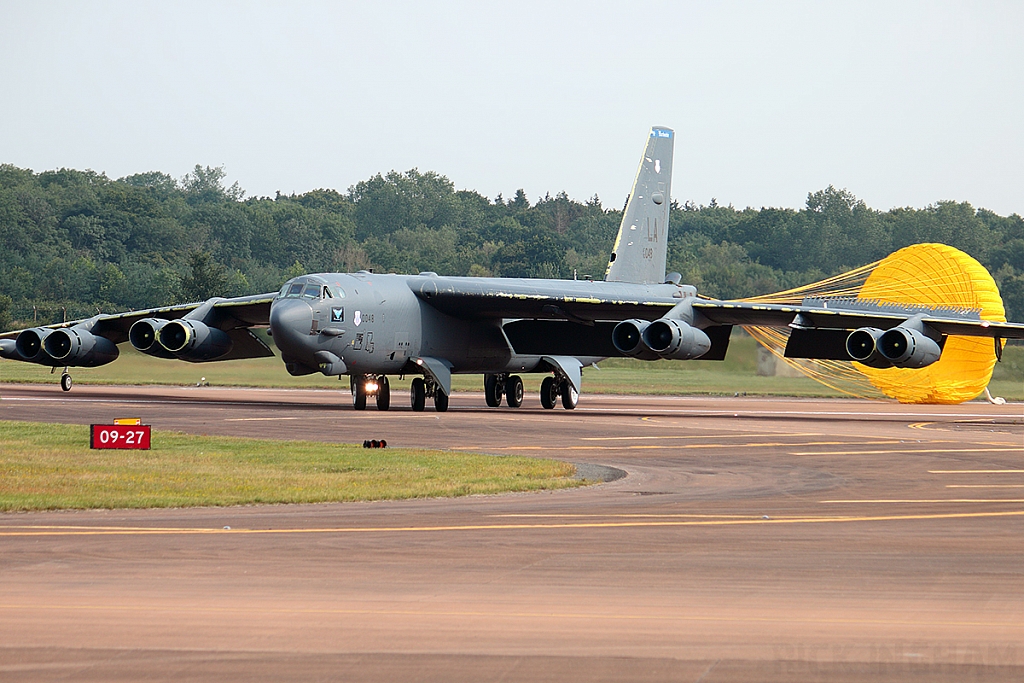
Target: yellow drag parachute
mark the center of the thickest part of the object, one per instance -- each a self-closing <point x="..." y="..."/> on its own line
<point x="927" y="274"/>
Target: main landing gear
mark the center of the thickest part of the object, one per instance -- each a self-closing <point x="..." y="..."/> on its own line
<point x="554" y="387"/>
<point x="511" y="388"/>
<point x="422" y="389"/>
<point x="508" y="386"/>
<point x="364" y="386"/>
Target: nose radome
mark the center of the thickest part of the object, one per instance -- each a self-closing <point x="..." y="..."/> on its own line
<point x="290" y="323"/>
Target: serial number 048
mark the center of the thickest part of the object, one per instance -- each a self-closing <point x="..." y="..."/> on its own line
<point x="120" y="436"/>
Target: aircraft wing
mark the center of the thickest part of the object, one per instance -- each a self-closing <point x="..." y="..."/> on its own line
<point x="847" y="314"/>
<point x="579" y="300"/>
<point x="587" y="302"/>
<point x="232" y="315"/>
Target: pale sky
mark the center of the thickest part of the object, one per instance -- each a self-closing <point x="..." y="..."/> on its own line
<point x="902" y="103"/>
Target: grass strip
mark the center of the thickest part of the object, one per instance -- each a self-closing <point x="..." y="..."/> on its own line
<point x="50" y="466"/>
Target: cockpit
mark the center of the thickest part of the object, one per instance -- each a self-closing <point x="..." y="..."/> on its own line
<point x="310" y="287"/>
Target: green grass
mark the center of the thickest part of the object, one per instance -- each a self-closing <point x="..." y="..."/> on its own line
<point x="50" y="466"/>
<point x="737" y="374"/>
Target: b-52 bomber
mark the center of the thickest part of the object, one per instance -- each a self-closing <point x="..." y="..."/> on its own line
<point x="370" y="326"/>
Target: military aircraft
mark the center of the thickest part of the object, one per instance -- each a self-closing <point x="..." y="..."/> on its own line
<point x="369" y="326"/>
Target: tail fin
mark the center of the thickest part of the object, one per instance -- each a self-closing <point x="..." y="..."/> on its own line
<point x="642" y="244"/>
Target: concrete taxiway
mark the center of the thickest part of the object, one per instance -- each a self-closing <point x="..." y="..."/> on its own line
<point x="752" y="539"/>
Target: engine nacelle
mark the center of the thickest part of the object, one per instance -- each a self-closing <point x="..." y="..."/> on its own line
<point x="907" y="348"/>
<point x="675" y="340"/>
<point x="627" y="338"/>
<point x="144" y="334"/>
<point x="9" y="349"/>
<point x="79" y="347"/>
<point x="29" y="346"/>
<point x="862" y="345"/>
<point x="194" y="341"/>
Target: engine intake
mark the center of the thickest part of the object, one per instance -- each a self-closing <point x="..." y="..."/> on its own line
<point x="79" y="347"/>
<point x="862" y="346"/>
<point x="908" y="348"/>
<point x="627" y="338"/>
<point x="143" y="336"/>
<point x="29" y="346"/>
<point x="675" y="340"/>
<point x="192" y="340"/>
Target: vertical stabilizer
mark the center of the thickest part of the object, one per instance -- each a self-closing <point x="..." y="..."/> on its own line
<point x="642" y="244"/>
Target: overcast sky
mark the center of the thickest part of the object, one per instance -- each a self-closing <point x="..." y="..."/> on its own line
<point x="902" y="103"/>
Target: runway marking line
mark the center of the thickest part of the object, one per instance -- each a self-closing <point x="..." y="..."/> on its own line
<point x="912" y="451"/>
<point x="927" y="500"/>
<point x="618" y="616"/>
<point x="985" y="486"/>
<point x="822" y="519"/>
<point x="734" y="435"/>
<point x="975" y="471"/>
<point x="765" y="444"/>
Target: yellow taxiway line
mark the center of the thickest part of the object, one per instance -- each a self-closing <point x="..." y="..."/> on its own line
<point x="27" y="530"/>
<point x="911" y="451"/>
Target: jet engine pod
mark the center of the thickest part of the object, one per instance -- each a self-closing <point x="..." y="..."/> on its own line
<point x="29" y="345"/>
<point x="906" y="348"/>
<point x="676" y="340"/>
<point x="194" y="341"/>
<point x="78" y="347"/>
<point x="627" y="338"/>
<point x="862" y="345"/>
<point x="143" y="335"/>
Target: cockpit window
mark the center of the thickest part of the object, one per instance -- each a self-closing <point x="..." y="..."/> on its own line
<point x="312" y="291"/>
<point x="295" y="289"/>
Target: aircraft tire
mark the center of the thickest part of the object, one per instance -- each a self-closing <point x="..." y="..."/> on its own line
<point x="548" y="393"/>
<point x="418" y="394"/>
<point x="65" y="382"/>
<point x="440" y="401"/>
<point x="570" y="397"/>
<point x="383" y="393"/>
<point x="492" y="392"/>
<point x="359" y="394"/>
<point x="514" y="391"/>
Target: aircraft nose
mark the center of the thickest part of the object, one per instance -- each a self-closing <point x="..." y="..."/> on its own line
<point x="290" y="322"/>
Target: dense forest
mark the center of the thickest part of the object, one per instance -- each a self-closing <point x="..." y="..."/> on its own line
<point x="77" y="242"/>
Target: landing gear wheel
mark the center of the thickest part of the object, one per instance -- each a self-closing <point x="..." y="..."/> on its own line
<point x="570" y="397"/>
<point x="548" y="393"/>
<point x="492" y="391"/>
<point x="65" y="382"/>
<point x="514" y="391"/>
<point x="418" y="394"/>
<point x="383" y="393"/>
<point x="440" y="401"/>
<point x="359" y="393"/>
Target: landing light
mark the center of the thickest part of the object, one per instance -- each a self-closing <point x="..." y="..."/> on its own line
<point x="370" y="387"/>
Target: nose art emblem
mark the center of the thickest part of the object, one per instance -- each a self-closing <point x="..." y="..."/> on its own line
<point x="337" y="315"/>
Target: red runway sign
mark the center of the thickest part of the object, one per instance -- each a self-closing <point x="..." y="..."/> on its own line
<point x="119" y="436"/>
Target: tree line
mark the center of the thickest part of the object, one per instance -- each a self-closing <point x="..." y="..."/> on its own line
<point x="76" y="242"/>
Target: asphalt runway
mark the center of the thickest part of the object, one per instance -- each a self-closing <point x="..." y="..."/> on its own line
<point x="751" y="539"/>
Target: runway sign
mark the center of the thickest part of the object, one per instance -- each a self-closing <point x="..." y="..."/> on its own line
<point x="119" y="436"/>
